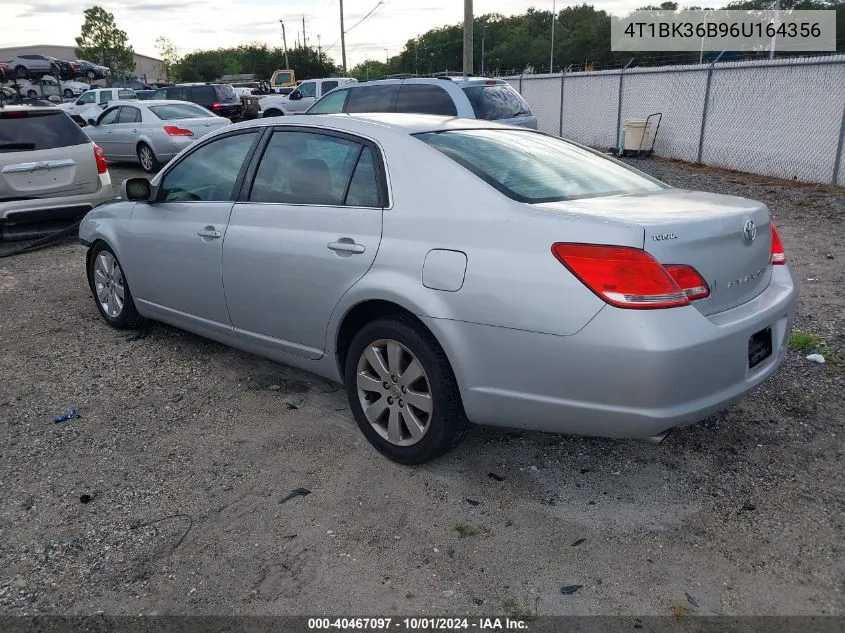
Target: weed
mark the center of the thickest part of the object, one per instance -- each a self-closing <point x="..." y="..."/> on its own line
<point x="805" y="342"/>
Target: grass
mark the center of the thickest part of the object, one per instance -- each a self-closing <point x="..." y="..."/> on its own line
<point x="679" y="610"/>
<point x="465" y="531"/>
<point x="805" y="342"/>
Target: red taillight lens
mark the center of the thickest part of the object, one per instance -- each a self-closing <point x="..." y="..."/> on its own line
<point x="624" y="277"/>
<point x="102" y="164"/>
<point x="216" y="106"/>
<point x="778" y="256"/>
<point x="689" y="281"/>
<point x="172" y="130"/>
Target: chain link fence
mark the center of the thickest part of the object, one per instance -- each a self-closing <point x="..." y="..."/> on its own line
<point x="782" y="118"/>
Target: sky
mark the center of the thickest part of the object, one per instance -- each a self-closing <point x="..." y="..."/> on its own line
<point x="196" y="25"/>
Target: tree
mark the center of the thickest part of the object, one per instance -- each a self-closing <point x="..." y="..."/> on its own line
<point x="170" y="58"/>
<point x="102" y="42"/>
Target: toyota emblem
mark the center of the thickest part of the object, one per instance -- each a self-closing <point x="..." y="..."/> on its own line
<point x="749" y="231"/>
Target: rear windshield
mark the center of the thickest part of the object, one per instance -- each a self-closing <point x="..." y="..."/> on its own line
<point x="179" y="111"/>
<point x="493" y="103"/>
<point x="22" y="131"/>
<point x="532" y="167"/>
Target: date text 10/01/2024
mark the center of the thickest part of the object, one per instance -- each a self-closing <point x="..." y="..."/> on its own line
<point x="417" y="624"/>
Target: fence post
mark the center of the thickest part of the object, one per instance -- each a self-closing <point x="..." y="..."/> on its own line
<point x="619" y="108"/>
<point x="562" y="77"/>
<point x="704" y="111"/>
<point x="520" y="81"/>
<point x="839" y="149"/>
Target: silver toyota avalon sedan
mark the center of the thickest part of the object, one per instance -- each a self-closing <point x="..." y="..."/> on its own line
<point x="449" y="271"/>
<point x="151" y="132"/>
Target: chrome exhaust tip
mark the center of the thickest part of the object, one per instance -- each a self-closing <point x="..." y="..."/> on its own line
<point x="657" y="440"/>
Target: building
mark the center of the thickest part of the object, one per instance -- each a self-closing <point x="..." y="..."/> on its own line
<point x="147" y="69"/>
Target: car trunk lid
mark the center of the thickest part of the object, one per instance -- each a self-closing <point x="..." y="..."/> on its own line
<point x="725" y="238"/>
<point x="199" y="126"/>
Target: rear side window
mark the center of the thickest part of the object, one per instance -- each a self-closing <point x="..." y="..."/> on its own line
<point x="106" y="96"/>
<point x="363" y="188"/>
<point x="129" y="115"/>
<point x="329" y="85"/>
<point x="425" y="99"/>
<point x="372" y="98"/>
<point x="493" y="103"/>
<point x="203" y="94"/>
<point x="38" y="130"/>
<point x="124" y="95"/>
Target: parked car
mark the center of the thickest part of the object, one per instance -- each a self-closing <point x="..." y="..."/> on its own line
<point x="71" y="89"/>
<point x="547" y="286"/>
<point x="151" y="132"/>
<point x="6" y="72"/>
<point x="91" y="103"/>
<point x="91" y="70"/>
<point x="34" y="65"/>
<point x="50" y="172"/>
<point x="221" y="99"/>
<point x="299" y="99"/>
<point x="470" y="98"/>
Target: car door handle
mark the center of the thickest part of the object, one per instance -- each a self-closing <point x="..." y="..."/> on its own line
<point x="209" y="233"/>
<point x="346" y="245"/>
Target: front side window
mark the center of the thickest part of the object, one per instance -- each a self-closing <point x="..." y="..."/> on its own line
<point x="329" y="104"/>
<point x="425" y="99"/>
<point x="305" y="168"/>
<point x="372" y="98"/>
<point x="308" y="89"/>
<point x="109" y="116"/>
<point x="129" y="114"/>
<point x="532" y="167"/>
<point x="209" y="173"/>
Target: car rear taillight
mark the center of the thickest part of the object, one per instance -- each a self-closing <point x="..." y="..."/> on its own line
<point x="172" y="130"/>
<point x="689" y="281"/>
<point x="102" y="164"/>
<point x="628" y="277"/>
<point x="778" y="255"/>
<point x="216" y="106"/>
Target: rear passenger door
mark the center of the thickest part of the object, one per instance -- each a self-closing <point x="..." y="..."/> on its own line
<point x="305" y="230"/>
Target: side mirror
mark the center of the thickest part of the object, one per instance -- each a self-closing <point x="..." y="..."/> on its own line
<point x="295" y="95"/>
<point x="136" y="189"/>
<point x="92" y="122"/>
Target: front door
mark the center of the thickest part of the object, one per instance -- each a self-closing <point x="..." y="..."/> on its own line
<point x="103" y="133"/>
<point x="173" y="247"/>
<point x="125" y="131"/>
<point x="308" y="93"/>
<point x="306" y="230"/>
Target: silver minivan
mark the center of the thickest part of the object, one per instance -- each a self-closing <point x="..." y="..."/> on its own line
<point x="466" y="97"/>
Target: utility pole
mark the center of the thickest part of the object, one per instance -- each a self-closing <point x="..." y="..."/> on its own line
<point x="386" y="57"/>
<point x="304" y="39"/>
<point x="552" y="53"/>
<point x="772" y="47"/>
<point x="417" y="58"/>
<point x="342" y="39"/>
<point x="483" y="33"/>
<point x="285" y="44"/>
<point x="468" y="37"/>
<point x="319" y="48"/>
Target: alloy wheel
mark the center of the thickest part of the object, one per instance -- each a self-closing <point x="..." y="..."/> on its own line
<point x="109" y="284"/>
<point x="145" y="154"/>
<point x="394" y="392"/>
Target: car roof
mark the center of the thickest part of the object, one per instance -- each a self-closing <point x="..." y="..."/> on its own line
<point x="28" y="108"/>
<point x="461" y="81"/>
<point x="399" y="122"/>
<point x="151" y="102"/>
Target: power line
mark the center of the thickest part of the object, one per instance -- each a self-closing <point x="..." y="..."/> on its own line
<point x="381" y="3"/>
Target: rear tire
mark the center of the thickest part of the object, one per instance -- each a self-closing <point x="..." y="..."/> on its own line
<point x="111" y="290"/>
<point x="91" y="75"/>
<point x="273" y="112"/>
<point x="21" y="72"/>
<point x="414" y="368"/>
<point x="147" y="158"/>
<point x="31" y="94"/>
<point x="67" y="93"/>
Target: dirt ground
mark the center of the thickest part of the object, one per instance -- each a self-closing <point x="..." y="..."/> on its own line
<point x="184" y="449"/>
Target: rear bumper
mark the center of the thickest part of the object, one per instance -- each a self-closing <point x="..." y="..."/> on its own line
<point x="56" y="209"/>
<point x="628" y="373"/>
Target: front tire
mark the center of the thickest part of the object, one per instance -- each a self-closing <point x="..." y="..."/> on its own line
<point x="32" y="94"/>
<point x="21" y="72"/>
<point x="147" y="158"/>
<point x="110" y="289"/>
<point x="402" y="391"/>
<point x="67" y="93"/>
<point x="91" y="75"/>
<point x="273" y="112"/>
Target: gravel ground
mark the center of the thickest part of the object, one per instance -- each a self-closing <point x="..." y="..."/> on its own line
<point x="164" y="496"/>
